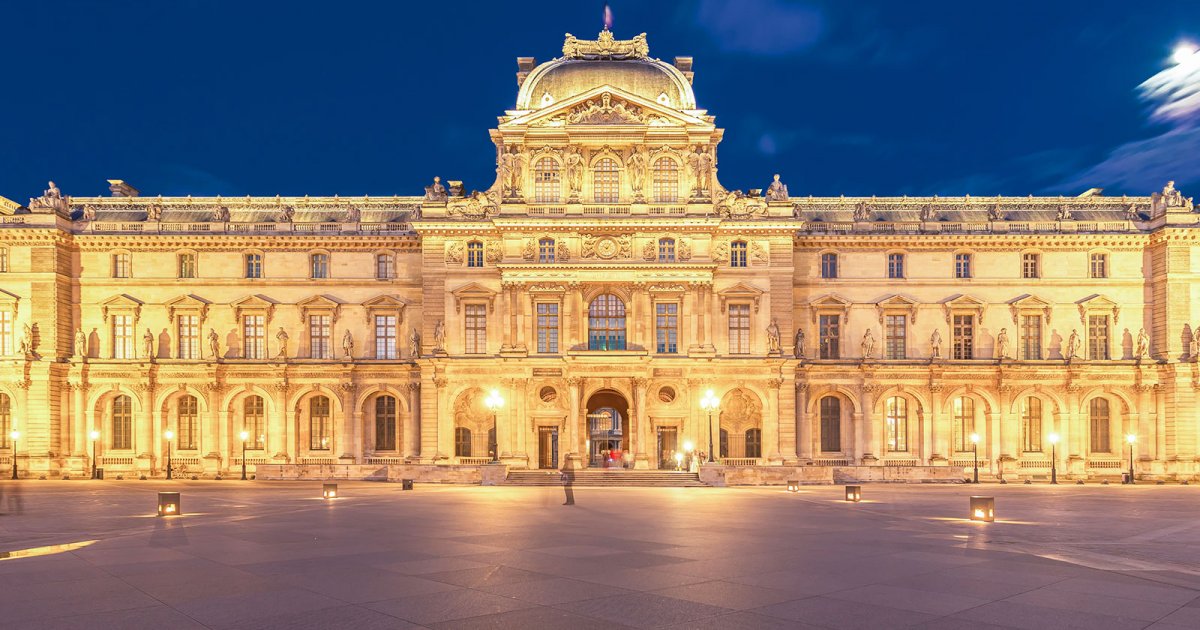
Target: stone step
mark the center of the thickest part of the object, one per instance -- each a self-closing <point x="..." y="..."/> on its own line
<point x="651" y="478"/>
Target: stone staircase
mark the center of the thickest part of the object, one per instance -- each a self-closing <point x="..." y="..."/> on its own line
<point x="609" y="478"/>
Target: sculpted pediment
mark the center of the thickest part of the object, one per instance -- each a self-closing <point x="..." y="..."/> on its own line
<point x="1100" y="303"/>
<point x="1029" y="303"/>
<point x="961" y="303"/>
<point x="187" y="302"/>
<point x="124" y="303"/>
<point x="385" y="302"/>
<point x="319" y="301"/>
<point x="605" y="105"/>
<point x="741" y="291"/>
<point x="895" y="303"/>
<point x="473" y="292"/>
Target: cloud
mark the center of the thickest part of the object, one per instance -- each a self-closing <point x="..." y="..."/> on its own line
<point x="761" y="27"/>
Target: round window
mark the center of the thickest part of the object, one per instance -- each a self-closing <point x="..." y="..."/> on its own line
<point x="548" y="394"/>
<point x="666" y="394"/>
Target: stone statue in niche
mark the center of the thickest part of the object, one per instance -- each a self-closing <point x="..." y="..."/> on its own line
<point x="799" y="343"/>
<point x="80" y="344"/>
<point x="435" y="191"/>
<point x="777" y="191"/>
<point x="25" y="347"/>
<point x="348" y="346"/>
<point x="935" y="344"/>
<point x="1002" y="344"/>
<point x="1143" y="345"/>
<point x="439" y="336"/>
<point x="414" y="343"/>
<point x="774" y="345"/>
<point x="148" y="344"/>
<point x="1073" y="345"/>
<point x="214" y="344"/>
<point x="868" y="345"/>
<point x="573" y="161"/>
<point x="282" y="338"/>
<point x="636" y="165"/>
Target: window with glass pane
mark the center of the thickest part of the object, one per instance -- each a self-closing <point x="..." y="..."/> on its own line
<point x="666" y="181"/>
<point x="3" y="259"/>
<point x="895" y="264"/>
<point x="606" y="323"/>
<point x="187" y="329"/>
<point x="121" y="265"/>
<point x="254" y="265"/>
<point x="1031" y="424"/>
<point x="606" y="181"/>
<point x="319" y="423"/>
<point x="1101" y="426"/>
<point x="963" y="334"/>
<point x="474" y="254"/>
<point x="6" y="333"/>
<point x="187" y="423"/>
<point x="666" y="250"/>
<point x="724" y="452"/>
<point x="896" y="424"/>
<point x="318" y="337"/>
<point x="5" y="420"/>
<point x="1031" y="337"/>
<point x="254" y="343"/>
<point x="547" y="181"/>
<point x="831" y="424"/>
<point x="1030" y="265"/>
<point x="547" y="327"/>
<point x="122" y="423"/>
<point x="896" y="335"/>
<point x="1098" y="337"/>
<point x="831" y="333"/>
<point x="385" y="423"/>
<point x="546" y="250"/>
<point x="254" y="423"/>
<point x="462" y="442"/>
<point x="829" y="265"/>
<point x="737" y="254"/>
<point x="753" y="442"/>
<point x="187" y="265"/>
<point x="476" y="328"/>
<point x="319" y="266"/>
<point x="962" y="265"/>
<point x="739" y="329"/>
<point x="385" y="266"/>
<point x="964" y="423"/>
<point x="1098" y="265"/>
<point x="666" y="328"/>
<point x="385" y="337"/>
<point x="122" y="335"/>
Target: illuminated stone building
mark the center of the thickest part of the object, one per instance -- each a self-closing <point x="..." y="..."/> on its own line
<point x="600" y="287"/>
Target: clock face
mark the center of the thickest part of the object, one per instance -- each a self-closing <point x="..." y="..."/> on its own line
<point x="606" y="248"/>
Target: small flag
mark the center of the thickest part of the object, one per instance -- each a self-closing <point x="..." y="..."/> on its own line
<point x="607" y="17"/>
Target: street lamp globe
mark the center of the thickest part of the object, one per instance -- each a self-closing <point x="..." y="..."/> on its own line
<point x="1053" y="437"/>
<point x="1131" y="438"/>
<point x="494" y="400"/>
<point x="95" y="435"/>
<point x="16" y="435"/>
<point x="170" y="435"/>
<point x="688" y="446"/>
<point x="710" y="401"/>
<point x="245" y="435"/>
<point x="974" y="438"/>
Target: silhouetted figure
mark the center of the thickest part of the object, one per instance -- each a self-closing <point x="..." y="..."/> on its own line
<point x="16" y="502"/>
<point x="568" y="482"/>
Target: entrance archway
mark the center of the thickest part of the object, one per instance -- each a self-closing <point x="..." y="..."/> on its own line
<point x="606" y="429"/>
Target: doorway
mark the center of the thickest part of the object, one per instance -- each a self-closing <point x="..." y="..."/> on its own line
<point x="607" y="430"/>
<point x="668" y="445"/>
<point x="548" y="447"/>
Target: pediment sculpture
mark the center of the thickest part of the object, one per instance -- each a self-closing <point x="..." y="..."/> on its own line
<point x="51" y="200"/>
<point x="606" y="46"/>
<point x="737" y="205"/>
<point x="476" y="205"/>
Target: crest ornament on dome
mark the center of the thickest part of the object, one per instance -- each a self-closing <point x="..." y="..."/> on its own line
<point x="606" y="47"/>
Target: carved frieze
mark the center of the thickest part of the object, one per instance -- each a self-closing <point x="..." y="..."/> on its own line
<point x="454" y="252"/>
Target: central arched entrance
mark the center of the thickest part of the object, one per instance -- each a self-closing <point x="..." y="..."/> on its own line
<point x="607" y="430"/>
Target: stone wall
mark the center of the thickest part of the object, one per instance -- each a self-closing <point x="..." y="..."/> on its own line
<point x="716" y="475"/>
<point x="365" y="472"/>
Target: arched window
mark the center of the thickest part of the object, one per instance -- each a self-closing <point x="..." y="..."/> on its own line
<point x="5" y="420"/>
<point x="831" y="424"/>
<point x="897" y="424"/>
<point x="753" y="442"/>
<point x="547" y="181"/>
<point x="546" y="250"/>
<point x="385" y="266"/>
<point x="606" y="323"/>
<point x="318" y="423"/>
<point x="666" y="250"/>
<point x="385" y="423"/>
<point x="186" y="415"/>
<point x="1101" y="425"/>
<point x="462" y="442"/>
<point x="964" y="423"/>
<point x="737" y="254"/>
<point x="122" y="422"/>
<point x="122" y="265"/>
<point x="254" y="265"/>
<point x="1031" y="424"/>
<point x="666" y="181"/>
<point x="606" y="181"/>
<point x="318" y="266"/>
<point x="474" y="254"/>
<point x="254" y="422"/>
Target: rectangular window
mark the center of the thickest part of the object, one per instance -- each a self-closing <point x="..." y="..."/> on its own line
<point x="319" y="266"/>
<point x="666" y="250"/>
<point x="385" y="337"/>
<point x="964" y="424"/>
<point x="6" y="333"/>
<point x="318" y="424"/>
<point x="1098" y="266"/>
<point x="188" y="332"/>
<point x="962" y="266"/>
<point x="318" y="337"/>
<point x="829" y="265"/>
<point x="1031" y="425"/>
<point x="546" y="253"/>
<point x="187" y="423"/>
<point x="1031" y="266"/>
<point x="474" y="254"/>
<point x="476" y="328"/>
<point x="254" y="265"/>
<point x="547" y="328"/>
<point x="666" y="328"/>
<point x="122" y="423"/>
<point x="831" y="424"/>
<point x="1100" y="425"/>
<point x="896" y="424"/>
<point x="1031" y="337"/>
<point x="385" y="266"/>
<point x="5" y="420"/>
<point x="122" y="335"/>
<point x="737" y="254"/>
<point x="121" y="266"/>
<point x="895" y="266"/>
<point x="187" y="265"/>
<point x="739" y="329"/>
<point x="831" y="332"/>
<point x="964" y="337"/>
<point x="3" y="259"/>
<point x="254" y="423"/>
<point x="253" y="338"/>
<point x="1098" y="337"/>
<point x="896" y="333"/>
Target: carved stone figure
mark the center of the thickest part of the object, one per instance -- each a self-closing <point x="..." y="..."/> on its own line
<point x="80" y="343"/>
<point x="148" y="344"/>
<point x="154" y="213"/>
<point x="222" y="214"/>
<point x="1132" y="214"/>
<point x="573" y="161"/>
<point x="774" y="345"/>
<point x="1064" y="213"/>
<point x="863" y="211"/>
<point x="282" y="338"/>
<point x="1143" y="345"/>
<point x="935" y="344"/>
<point x="1194" y="352"/>
<point x="439" y="336"/>
<point x="994" y="213"/>
<point x="868" y="344"/>
<point x="509" y="168"/>
<point x="435" y="191"/>
<point x="414" y="343"/>
<point x="353" y="214"/>
<point x="1002" y="344"/>
<point x="606" y="47"/>
<point x="799" y="343"/>
<point x="214" y="344"/>
<point x="1073" y="345"/>
<point x="347" y="346"/>
<point x="287" y="215"/>
<point x="702" y="163"/>
<point x="52" y="199"/>
<point x="636" y="165"/>
<point x="89" y="213"/>
<point x="1170" y="197"/>
<point x="777" y="191"/>
<point x="25" y="347"/>
<point x="927" y="213"/>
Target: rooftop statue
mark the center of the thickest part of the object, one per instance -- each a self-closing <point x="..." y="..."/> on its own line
<point x="51" y="199"/>
<point x="777" y="191"/>
<point x="435" y="191"/>
<point x="606" y="47"/>
<point x="1170" y="197"/>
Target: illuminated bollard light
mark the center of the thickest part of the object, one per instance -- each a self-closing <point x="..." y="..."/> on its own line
<point x="329" y="491"/>
<point x="983" y="509"/>
<point x="794" y="485"/>
<point x="168" y="504"/>
<point x="406" y="484"/>
<point x="854" y="493"/>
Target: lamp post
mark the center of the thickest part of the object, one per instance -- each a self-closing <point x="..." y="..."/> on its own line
<point x="170" y="435"/>
<point x="95" y="435"/>
<point x="245" y="435"/>
<point x="15" y="435"/>
<point x="709" y="403"/>
<point x="1054" y="458"/>
<point x="494" y="402"/>
<point x="1132" y="439"/>
<point x="975" y="454"/>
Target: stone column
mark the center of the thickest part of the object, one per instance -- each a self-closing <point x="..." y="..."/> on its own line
<point x="351" y="434"/>
<point x="504" y="417"/>
<point x="1005" y="431"/>
<point x="1160" y="421"/>
<point x="933" y="440"/>
<point x="572" y="441"/>
<point x="804" y="423"/>
<point x="868" y="434"/>
<point x="147" y="431"/>
<point x="411" y="438"/>
<point x="641" y="443"/>
<point x="991" y="442"/>
<point x="81" y="423"/>
<point x="702" y="325"/>
<point x="441" y="442"/>
<point x="770" y="430"/>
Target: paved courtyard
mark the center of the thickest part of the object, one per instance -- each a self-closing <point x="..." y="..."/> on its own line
<point x="274" y="555"/>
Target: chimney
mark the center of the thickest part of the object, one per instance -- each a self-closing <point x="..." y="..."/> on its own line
<point x="121" y="188"/>
<point x="684" y="65"/>
<point x="524" y="66"/>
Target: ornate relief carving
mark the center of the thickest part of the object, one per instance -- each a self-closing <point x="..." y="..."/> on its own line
<point x="607" y="247"/>
<point x="606" y="47"/>
<point x="493" y="252"/>
<point x="454" y="252"/>
<point x="476" y="206"/>
<point x="758" y="253"/>
<point x="721" y="252"/>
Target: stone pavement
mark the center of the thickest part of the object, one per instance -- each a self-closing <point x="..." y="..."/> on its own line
<point x="274" y="555"/>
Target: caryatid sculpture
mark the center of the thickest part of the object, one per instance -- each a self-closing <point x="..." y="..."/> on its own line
<point x="702" y="167"/>
<point x="636" y="166"/>
<point x="574" y="167"/>
<point x="868" y="344"/>
<point x="509" y="168"/>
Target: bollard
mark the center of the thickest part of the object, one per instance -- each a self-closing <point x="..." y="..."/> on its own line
<point x="168" y="504"/>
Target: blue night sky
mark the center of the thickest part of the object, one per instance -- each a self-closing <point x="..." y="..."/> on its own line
<point x="841" y="97"/>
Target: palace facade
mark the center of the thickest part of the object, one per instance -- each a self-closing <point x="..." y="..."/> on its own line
<point x="598" y="290"/>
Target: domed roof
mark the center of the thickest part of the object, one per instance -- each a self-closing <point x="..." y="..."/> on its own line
<point x="624" y="65"/>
